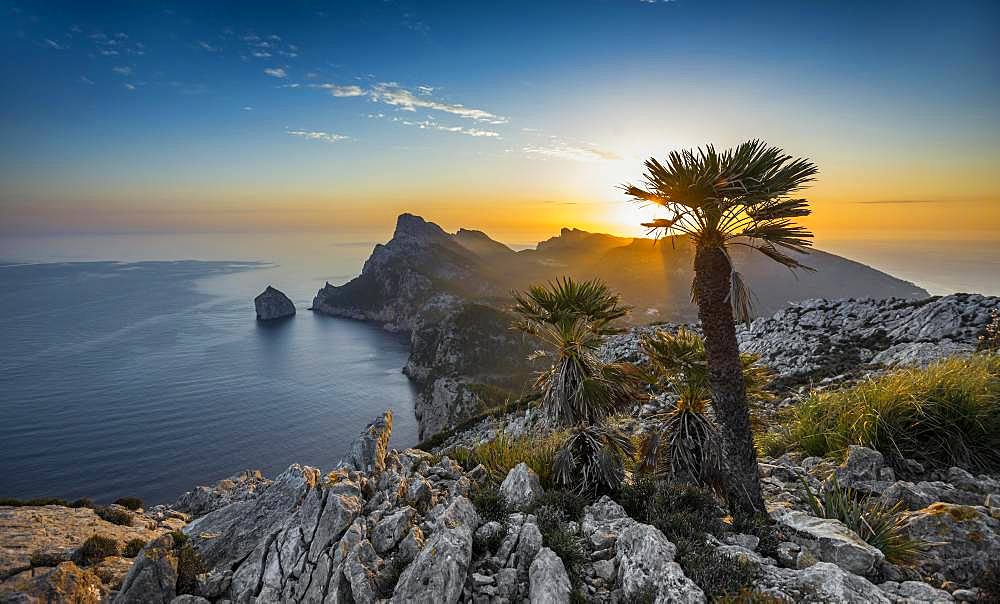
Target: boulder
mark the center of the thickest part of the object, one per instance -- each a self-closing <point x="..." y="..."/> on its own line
<point x="963" y="539"/>
<point x="367" y="452"/>
<point x="861" y="465"/>
<point x="153" y="576"/>
<point x="915" y="592"/>
<point x="65" y="583"/>
<point x="820" y="583"/>
<point x="646" y="566"/>
<point x="272" y="304"/>
<point x="549" y="583"/>
<point x="521" y="488"/>
<point x="829" y="541"/>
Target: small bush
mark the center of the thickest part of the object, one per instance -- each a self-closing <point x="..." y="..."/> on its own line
<point x="130" y="503"/>
<point x="189" y="566"/>
<point x="945" y="415"/>
<point x="47" y="559"/>
<point x="97" y="548"/>
<point x="877" y="523"/>
<point x="571" y="504"/>
<point x="115" y="515"/>
<point x="488" y="503"/>
<point x="133" y="547"/>
<point x="680" y="511"/>
<point x="716" y="574"/>
<point x="569" y="546"/>
<point x="83" y="502"/>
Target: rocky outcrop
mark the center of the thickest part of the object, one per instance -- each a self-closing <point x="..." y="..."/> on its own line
<point x="521" y="488"/>
<point x="367" y="452"/>
<point x="239" y="487"/>
<point x="272" y="304"/>
<point x="824" y="341"/>
<point x="65" y="583"/>
<point x="829" y="540"/>
<point x="33" y="538"/>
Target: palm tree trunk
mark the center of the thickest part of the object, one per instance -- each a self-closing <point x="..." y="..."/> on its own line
<point x="725" y="375"/>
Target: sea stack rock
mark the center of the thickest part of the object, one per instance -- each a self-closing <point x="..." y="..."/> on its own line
<point x="273" y="304"/>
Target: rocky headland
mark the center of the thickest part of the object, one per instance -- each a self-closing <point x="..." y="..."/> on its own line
<point x="451" y="293"/>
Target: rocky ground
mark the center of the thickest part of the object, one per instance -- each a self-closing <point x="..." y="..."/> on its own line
<point x="401" y="526"/>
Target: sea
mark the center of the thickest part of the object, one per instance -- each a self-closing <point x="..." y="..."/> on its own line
<point x="133" y="365"/>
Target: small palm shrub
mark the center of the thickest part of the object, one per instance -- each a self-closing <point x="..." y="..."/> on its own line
<point x="989" y="341"/>
<point x="945" y="415"/>
<point x="97" y="548"/>
<point x="129" y="503"/>
<point x="877" y="523"/>
<point x="566" y="300"/>
<point x="592" y="459"/>
<point x="133" y="547"/>
<point x="114" y="515"/>
<point x="688" y="443"/>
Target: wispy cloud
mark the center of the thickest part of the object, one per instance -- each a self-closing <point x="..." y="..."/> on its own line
<point x="572" y="151"/>
<point x="392" y="94"/>
<point x="206" y="46"/>
<point x="86" y="80"/>
<point x="276" y="72"/>
<point x="53" y="44"/>
<point x="122" y="70"/>
<point x="316" y="135"/>
<point x="433" y="125"/>
<point x="247" y="108"/>
<point x="341" y="91"/>
<point x="129" y="86"/>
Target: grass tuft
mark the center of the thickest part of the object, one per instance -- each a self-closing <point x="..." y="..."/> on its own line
<point x="114" y="515"/>
<point x="877" y="523"/>
<point x="945" y="415"/>
<point x="129" y="503"/>
<point x="133" y="547"/>
<point x="504" y="452"/>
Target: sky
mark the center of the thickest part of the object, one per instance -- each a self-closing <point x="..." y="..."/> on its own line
<point x="516" y="117"/>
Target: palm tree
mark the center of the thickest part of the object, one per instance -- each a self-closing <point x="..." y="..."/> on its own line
<point x="742" y="196"/>
<point x="566" y="300"/>
<point x="687" y="442"/>
<point x="579" y="390"/>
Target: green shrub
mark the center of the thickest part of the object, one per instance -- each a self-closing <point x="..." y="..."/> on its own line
<point x="189" y="566"/>
<point x="945" y="415"/>
<point x="488" y="503"/>
<point x="879" y="524"/>
<point x="569" y="546"/>
<point x="47" y="559"/>
<point x="715" y="573"/>
<point x="130" y="503"/>
<point x="680" y="511"/>
<point x="570" y="503"/>
<point x="133" y="547"/>
<point x="114" y="515"/>
<point x="83" y="502"/>
<point x="97" y="548"/>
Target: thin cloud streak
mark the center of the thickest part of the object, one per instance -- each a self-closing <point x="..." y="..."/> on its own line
<point x="317" y="135"/>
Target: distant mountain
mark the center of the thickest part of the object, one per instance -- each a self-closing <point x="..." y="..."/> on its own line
<point x="451" y="292"/>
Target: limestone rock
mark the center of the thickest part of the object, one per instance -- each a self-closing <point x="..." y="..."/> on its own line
<point x="521" y="488"/>
<point x="153" y="576"/>
<point x="239" y="487"/>
<point x="862" y="464"/>
<point x="821" y="583"/>
<point x="367" y="452"/>
<point x="65" y="583"/>
<point x="53" y="533"/>
<point x="964" y="537"/>
<point x="272" y="304"/>
<point x="548" y="579"/>
<point x="830" y="541"/>
<point x="645" y="566"/>
<point x="439" y="570"/>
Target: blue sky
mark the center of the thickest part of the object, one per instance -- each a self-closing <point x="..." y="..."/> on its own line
<point x="203" y="115"/>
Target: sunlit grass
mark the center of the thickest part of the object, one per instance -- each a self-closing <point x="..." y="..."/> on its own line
<point x="945" y="415"/>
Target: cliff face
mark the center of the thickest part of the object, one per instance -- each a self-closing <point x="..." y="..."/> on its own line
<point x="450" y="292"/>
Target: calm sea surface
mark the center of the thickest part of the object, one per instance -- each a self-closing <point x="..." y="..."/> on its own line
<point x="147" y="378"/>
<point x="133" y="365"/>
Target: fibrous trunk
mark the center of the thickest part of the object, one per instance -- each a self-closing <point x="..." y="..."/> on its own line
<point x="725" y="377"/>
